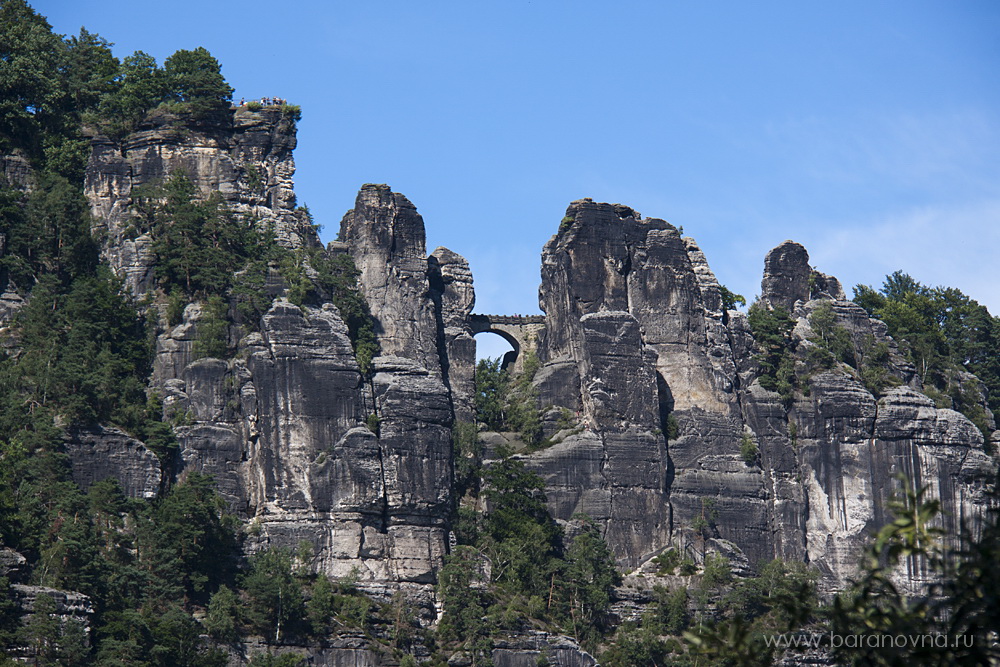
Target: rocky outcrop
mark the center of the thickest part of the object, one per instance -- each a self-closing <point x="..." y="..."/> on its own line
<point x="607" y="258"/>
<point x="786" y="276"/>
<point x="455" y="297"/>
<point x="248" y="160"/>
<point x="538" y="648"/>
<point x="13" y="565"/>
<point x="385" y="236"/>
<point x="807" y="479"/>
<point x="17" y="171"/>
<point x="614" y="468"/>
<point x="109" y="453"/>
<point x="10" y="302"/>
<point x="306" y="389"/>
<point x="69" y="611"/>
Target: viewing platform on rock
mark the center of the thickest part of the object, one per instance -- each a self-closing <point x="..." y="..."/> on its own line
<point x="521" y="331"/>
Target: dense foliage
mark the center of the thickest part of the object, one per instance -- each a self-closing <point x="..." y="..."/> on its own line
<point x="79" y="355"/>
<point x="508" y="403"/>
<point x="142" y="563"/>
<point x="772" y="332"/>
<point x="198" y="244"/>
<point x="48" y="85"/>
<point x="515" y="570"/>
<point x="942" y="331"/>
<point x="962" y="606"/>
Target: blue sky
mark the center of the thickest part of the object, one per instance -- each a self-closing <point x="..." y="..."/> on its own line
<point x="869" y="132"/>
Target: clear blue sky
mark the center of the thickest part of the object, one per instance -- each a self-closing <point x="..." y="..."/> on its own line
<point x="868" y="131"/>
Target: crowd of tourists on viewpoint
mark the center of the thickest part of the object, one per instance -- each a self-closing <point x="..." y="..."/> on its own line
<point x="266" y="101"/>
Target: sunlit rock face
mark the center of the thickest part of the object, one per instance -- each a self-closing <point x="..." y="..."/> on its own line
<point x="828" y="457"/>
<point x="247" y="160"/>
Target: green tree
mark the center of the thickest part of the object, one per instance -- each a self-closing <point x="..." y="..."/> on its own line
<point x="730" y="299"/>
<point x="190" y="543"/>
<point x="198" y="244"/>
<point x="31" y="88"/>
<point x="830" y="337"/>
<point x="177" y="642"/>
<point x="590" y="576"/>
<point x="42" y="630"/>
<point x="222" y="617"/>
<point x="492" y="388"/>
<point x="522" y="402"/>
<point x="464" y="600"/>
<point x="337" y="279"/>
<point x="274" y="596"/>
<point x="520" y="538"/>
<point x="467" y="455"/>
<point x="772" y="332"/>
<point x="140" y="86"/>
<point x="213" y="330"/>
<point x="942" y="331"/>
<point x="321" y="606"/>
<point x="288" y="659"/>
<point x="91" y="70"/>
<point x="195" y="77"/>
<point x="48" y="232"/>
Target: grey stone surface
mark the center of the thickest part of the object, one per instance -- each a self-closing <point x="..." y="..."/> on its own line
<point x="247" y="160"/>
<point x="104" y="452"/>
<point x="614" y="470"/>
<point x="455" y="297"/>
<point x="385" y="236"/>
<point x="827" y="463"/>
<point x="70" y="607"/>
<point x="13" y="565"/>
<point x="786" y="276"/>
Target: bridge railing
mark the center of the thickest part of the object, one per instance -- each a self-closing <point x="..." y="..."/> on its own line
<point x="509" y="319"/>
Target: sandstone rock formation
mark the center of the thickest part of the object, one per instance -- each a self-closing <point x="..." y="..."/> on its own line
<point x="385" y="236"/>
<point x="249" y="162"/>
<point x="657" y="380"/>
<point x="104" y="453"/>
<point x="828" y="460"/>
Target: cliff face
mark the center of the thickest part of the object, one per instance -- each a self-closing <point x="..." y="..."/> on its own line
<point x="296" y="441"/>
<point x="658" y="380"/>
<point x="248" y="161"/>
<point x="828" y="458"/>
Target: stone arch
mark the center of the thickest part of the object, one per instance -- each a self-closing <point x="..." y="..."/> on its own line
<point x="520" y="331"/>
<point x="508" y="350"/>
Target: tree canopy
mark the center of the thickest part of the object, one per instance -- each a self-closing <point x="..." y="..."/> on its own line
<point x="942" y="331"/>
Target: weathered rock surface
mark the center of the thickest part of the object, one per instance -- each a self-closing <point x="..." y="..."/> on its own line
<point x="12" y="565"/>
<point x="786" y="276"/>
<point x="385" y="236"/>
<point x="455" y="297"/>
<point x="608" y="258"/>
<point x="826" y="463"/>
<point x="307" y="386"/>
<point x="109" y="453"/>
<point x="248" y="161"/>
<point x="68" y="607"/>
<point x="379" y="503"/>
<point x="17" y="171"/>
<point x="535" y="647"/>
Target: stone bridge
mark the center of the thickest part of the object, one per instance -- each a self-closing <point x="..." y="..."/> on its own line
<point x="521" y="331"/>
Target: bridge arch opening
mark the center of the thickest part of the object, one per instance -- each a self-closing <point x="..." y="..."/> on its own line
<point x="494" y="344"/>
